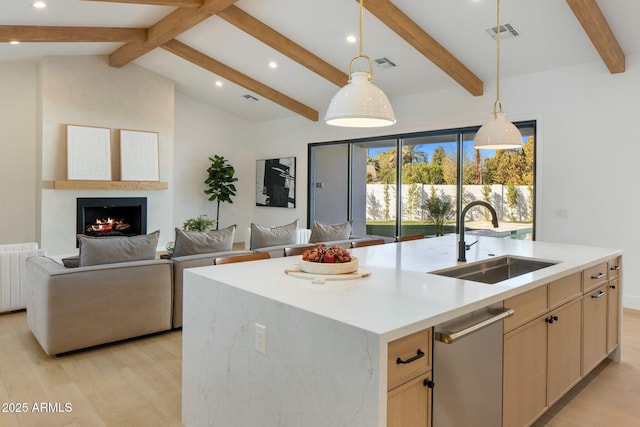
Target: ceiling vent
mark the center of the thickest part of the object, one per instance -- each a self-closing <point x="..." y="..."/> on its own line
<point x="507" y="31"/>
<point x="384" y="63"/>
<point x="249" y="97"/>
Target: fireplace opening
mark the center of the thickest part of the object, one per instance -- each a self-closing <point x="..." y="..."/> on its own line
<point x="111" y="216"/>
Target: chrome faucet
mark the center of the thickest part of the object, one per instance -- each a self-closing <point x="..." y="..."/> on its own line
<point x="462" y="246"/>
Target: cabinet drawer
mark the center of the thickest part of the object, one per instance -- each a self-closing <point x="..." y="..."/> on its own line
<point x="527" y="306"/>
<point x="565" y="289"/>
<point x="614" y="266"/>
<point x="408" y="357"/>
<point x="594" y="277"/>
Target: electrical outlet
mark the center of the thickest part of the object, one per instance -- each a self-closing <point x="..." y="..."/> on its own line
<point x="261" y="338"/>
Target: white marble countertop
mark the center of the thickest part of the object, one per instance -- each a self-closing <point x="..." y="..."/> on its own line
<point x="400" y="297"/>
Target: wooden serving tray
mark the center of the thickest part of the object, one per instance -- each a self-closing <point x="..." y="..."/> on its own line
<point x="321" y="278"/>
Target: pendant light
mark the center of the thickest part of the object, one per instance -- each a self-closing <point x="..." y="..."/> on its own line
<point x="498" y="134"/>
<point x="360" y="103"/>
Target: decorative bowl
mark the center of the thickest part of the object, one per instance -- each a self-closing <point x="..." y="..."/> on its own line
<point x="329" y="268"/>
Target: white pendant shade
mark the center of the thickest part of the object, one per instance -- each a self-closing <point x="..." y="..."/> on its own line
<point x="360" y="104"/>
<point x="498" y="134"/>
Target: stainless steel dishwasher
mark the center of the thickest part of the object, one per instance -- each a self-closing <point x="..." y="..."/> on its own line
<point x="467" y="369"/>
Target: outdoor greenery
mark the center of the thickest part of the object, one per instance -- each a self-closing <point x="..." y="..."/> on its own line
<point x="220" y="181"/>
<point x="439" y="209"/>
<point x="512" y="169"/>
<point x="507" y="167"/>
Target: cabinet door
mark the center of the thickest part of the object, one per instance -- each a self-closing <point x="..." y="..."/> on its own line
<point x="525" y="373"/>
<point x="594" y="332"/>
<point x="565" y="349"/>
<point x="613" y="314"/>
<point x="409" y="405"/>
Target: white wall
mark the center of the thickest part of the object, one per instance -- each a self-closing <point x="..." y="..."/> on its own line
<point x="18" y="147"/>
<point x="200" y="132"/>
<point x="85" y="90"/>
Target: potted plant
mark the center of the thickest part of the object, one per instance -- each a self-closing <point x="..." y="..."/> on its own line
<point x="200" y="223"/>
<point x="220" y="181"/>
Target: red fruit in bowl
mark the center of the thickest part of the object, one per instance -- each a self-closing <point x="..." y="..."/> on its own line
<point x="329" y="258"/>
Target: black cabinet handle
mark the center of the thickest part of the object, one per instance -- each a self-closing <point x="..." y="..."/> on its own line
<point x="551" y="319"/>
<point x="612" y="286"/>
<point x="615" y="268"/>
<point x="428" y="383"/>
<point x="598" y="295"/>
<point x="418" y="355"/>
<point x="598" y="276"/>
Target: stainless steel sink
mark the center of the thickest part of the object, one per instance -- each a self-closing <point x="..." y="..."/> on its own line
<point x="496" y="269"/>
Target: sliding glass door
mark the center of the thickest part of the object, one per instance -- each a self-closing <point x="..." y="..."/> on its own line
<point x="417" y="183"/>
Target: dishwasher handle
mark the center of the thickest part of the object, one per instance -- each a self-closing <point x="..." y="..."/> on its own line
<point x="451" y="337"/>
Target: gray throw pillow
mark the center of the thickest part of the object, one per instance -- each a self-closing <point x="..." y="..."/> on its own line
<point x="327" y="233"/>
<point x="108" y="250"/>
<point x="263" y="237"/>
<point x="197" y="242"/>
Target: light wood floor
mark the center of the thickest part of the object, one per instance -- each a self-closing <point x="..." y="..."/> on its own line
<point x="138" y="383"/>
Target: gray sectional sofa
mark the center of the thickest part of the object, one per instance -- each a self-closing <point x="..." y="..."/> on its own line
<point x="74" y="308"/>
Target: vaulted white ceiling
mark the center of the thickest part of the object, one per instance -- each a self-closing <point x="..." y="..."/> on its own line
<point x="550" y="36"/>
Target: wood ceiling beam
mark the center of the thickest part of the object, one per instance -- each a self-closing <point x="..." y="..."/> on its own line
<point x="26" y="33"/>
<point x="172" y="25"/>
<point x="226" y="72"/>
<point x="599" y="32"/>
<point x="267" y="35"/>
<point x="177" y="3"/>
<point x="406" y="28"/>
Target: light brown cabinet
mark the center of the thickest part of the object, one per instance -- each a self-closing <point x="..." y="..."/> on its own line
<point x="613" y="315"/>
<point x="524" y="373"/>
<point x="409" y="382"/>
<point x="565" y="349"/>
<point x="542" y="357"/>
<point x="560" y="332"/>
<point x="410" y="404"/>
<point x="594" y="337"/>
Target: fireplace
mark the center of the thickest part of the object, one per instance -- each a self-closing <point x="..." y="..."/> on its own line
<point x="111" y="216"/>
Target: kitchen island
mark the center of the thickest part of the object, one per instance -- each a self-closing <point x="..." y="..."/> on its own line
<point x="261" y="347"/>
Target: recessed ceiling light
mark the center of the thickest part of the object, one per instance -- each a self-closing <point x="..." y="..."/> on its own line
<point x="273" y="65"/>
<point x="218" y="83"/>
<point x="39" y="4"/>
<point x="351" y="38"/>
<point x="14" y="42"/>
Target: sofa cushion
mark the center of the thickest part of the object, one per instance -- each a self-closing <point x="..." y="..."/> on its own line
<point x="262" y="237"/>
<point x="196" y="242"/>
<point x="108" y="250"/>
<point x="326" y="232"/>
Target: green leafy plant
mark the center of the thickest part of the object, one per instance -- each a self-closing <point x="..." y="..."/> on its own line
<point x="220" y="181"/>
<point x="201" y="223"/>
<point x="439" y="210"/>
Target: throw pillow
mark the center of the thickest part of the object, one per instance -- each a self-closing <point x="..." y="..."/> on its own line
<point x="108" y="250"/>
<point x="71" y="262"/>
<point x="327" y="233"/>
<point x="263" y="237"/>
<point x="196" y="242"/>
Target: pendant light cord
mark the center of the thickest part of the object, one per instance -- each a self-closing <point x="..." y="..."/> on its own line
<point x="361" y="53"/>
<point x="498" y="31"/>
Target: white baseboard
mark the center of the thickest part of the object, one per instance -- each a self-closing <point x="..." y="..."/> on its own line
<point x="631" y="301"/>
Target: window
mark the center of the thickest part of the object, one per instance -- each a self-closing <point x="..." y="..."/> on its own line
<point x="416" y="184"/>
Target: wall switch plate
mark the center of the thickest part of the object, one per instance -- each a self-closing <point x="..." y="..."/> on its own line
<point x="261" y="338"/>
<point x="560" y="213"/>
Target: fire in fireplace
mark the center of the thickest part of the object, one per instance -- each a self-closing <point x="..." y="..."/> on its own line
<point x="111" y="216"/>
